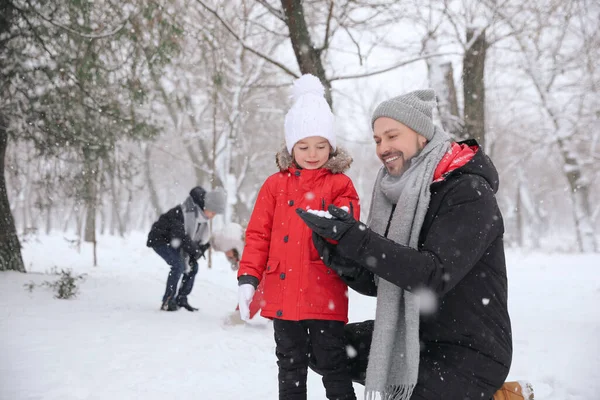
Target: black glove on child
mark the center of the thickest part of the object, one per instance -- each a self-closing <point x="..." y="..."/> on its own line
<point x="329" y="228"/>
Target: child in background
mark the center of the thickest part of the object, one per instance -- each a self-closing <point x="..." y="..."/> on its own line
<point x="307" y="301"/>
<point x="229" y="240"/>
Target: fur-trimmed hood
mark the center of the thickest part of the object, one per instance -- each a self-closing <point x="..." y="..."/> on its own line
<point x="338" y="163"/>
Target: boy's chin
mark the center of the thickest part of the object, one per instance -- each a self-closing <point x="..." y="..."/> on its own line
<point x="311" y="166"/>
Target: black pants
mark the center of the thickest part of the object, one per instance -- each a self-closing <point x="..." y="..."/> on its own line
<point x="324" y="344"/>
<point x="436" y="381"/>
<point x="176" y="262"/>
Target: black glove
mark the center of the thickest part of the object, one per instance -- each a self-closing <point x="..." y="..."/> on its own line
<point x="192" y="262"/>
<point x="202" y="249"/>
<point x="329" y="228"/>
<point x="342" y="266"/>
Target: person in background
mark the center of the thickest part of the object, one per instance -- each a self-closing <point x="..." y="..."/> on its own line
<point x="306" y="301"/>
<point x="229" y="240"/>
<point x="180" y="237"/>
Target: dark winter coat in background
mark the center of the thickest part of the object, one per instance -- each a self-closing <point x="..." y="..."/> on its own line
<point x="467" y="338"/>
<point x="297" y="285"/>
<point x="169" y="227"/>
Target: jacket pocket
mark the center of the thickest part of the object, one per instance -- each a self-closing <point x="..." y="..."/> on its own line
<point x="326" y="292"/>
<point x="272" y="287"/>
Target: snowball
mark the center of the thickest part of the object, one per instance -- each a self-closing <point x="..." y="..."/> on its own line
<point x="320" y="213"/>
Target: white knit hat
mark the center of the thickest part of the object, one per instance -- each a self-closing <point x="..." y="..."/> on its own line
<point x="310" y="115"/>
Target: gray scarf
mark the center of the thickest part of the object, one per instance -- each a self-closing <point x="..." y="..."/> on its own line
<point x="394" y="356"/>
<point x="195" y="224"/>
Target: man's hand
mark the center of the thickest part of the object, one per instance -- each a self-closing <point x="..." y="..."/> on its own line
<point x="329" y="228"/>
<point x="327" y="251"/>
<point x="245" y="294"/>
<point x="202" y="249"/>
<point x="193" y="263"/>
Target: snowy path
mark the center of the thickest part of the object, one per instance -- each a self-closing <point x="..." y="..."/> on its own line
<point x="113" y="343"/>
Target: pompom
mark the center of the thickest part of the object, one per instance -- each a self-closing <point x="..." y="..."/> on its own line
<point x="307" y="84"/>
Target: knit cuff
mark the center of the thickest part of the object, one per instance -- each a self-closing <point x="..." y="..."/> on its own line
<point x="248" y="279"/>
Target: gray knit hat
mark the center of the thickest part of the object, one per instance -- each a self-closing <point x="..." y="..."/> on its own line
<point x="413" y="109"/>
<point x="216" y="201"/>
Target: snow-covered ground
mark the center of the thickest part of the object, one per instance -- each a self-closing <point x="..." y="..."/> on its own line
<point x="113" y="343"/>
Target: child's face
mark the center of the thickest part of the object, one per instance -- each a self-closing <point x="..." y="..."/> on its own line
<point x="311" y="152"/>
<point x="209" y="214"/>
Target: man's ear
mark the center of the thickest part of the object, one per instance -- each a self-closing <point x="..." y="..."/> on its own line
<point x="422" y="141"/>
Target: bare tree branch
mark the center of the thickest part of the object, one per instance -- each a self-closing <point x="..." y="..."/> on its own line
<point x="327" y="27"/>
<point x="391" y="68"/>
<point x="360" y="57"/>
<point x="73" y="31"/>
<point x="276" y="12"/>
<point x="246" y="46"/>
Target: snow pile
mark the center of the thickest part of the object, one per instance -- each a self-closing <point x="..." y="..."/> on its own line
<point x="112" y="342"/>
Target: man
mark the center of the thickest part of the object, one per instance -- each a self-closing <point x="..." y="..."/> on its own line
<point x="180" y="237"/>
<point x="433" y="255"/>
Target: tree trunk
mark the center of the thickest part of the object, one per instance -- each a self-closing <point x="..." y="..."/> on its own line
<point x="116" y="220"/>
<point x="90" y="201"/>
<point x="474" y="85"/>
<point x="215" y="138"/>
<point x="149" y="182"/>
<point x="528" y="216"/>
<point x="441" y="79"/>
<point x="10" y="248"/>
<point x="309" y="58"/>
<point x="48" y="210"/>
<point x="580" y="196"/>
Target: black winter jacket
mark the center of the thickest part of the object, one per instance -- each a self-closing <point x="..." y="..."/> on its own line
<point x="170" y="226"/>
<point x="461" y="259"/>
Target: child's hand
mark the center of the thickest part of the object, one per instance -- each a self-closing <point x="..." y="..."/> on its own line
<point x="245" y="294"/>
<point x="329" y="228"/>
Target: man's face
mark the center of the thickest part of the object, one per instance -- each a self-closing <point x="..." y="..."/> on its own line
<point x="396" y="144"/>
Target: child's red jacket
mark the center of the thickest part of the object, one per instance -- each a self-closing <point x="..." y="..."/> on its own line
<point x="279" y="248"/>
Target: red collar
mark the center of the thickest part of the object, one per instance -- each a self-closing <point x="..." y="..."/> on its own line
<point x="456" y="157"/>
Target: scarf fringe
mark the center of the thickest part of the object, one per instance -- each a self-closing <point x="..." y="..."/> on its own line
<point x="393" y="392"/>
